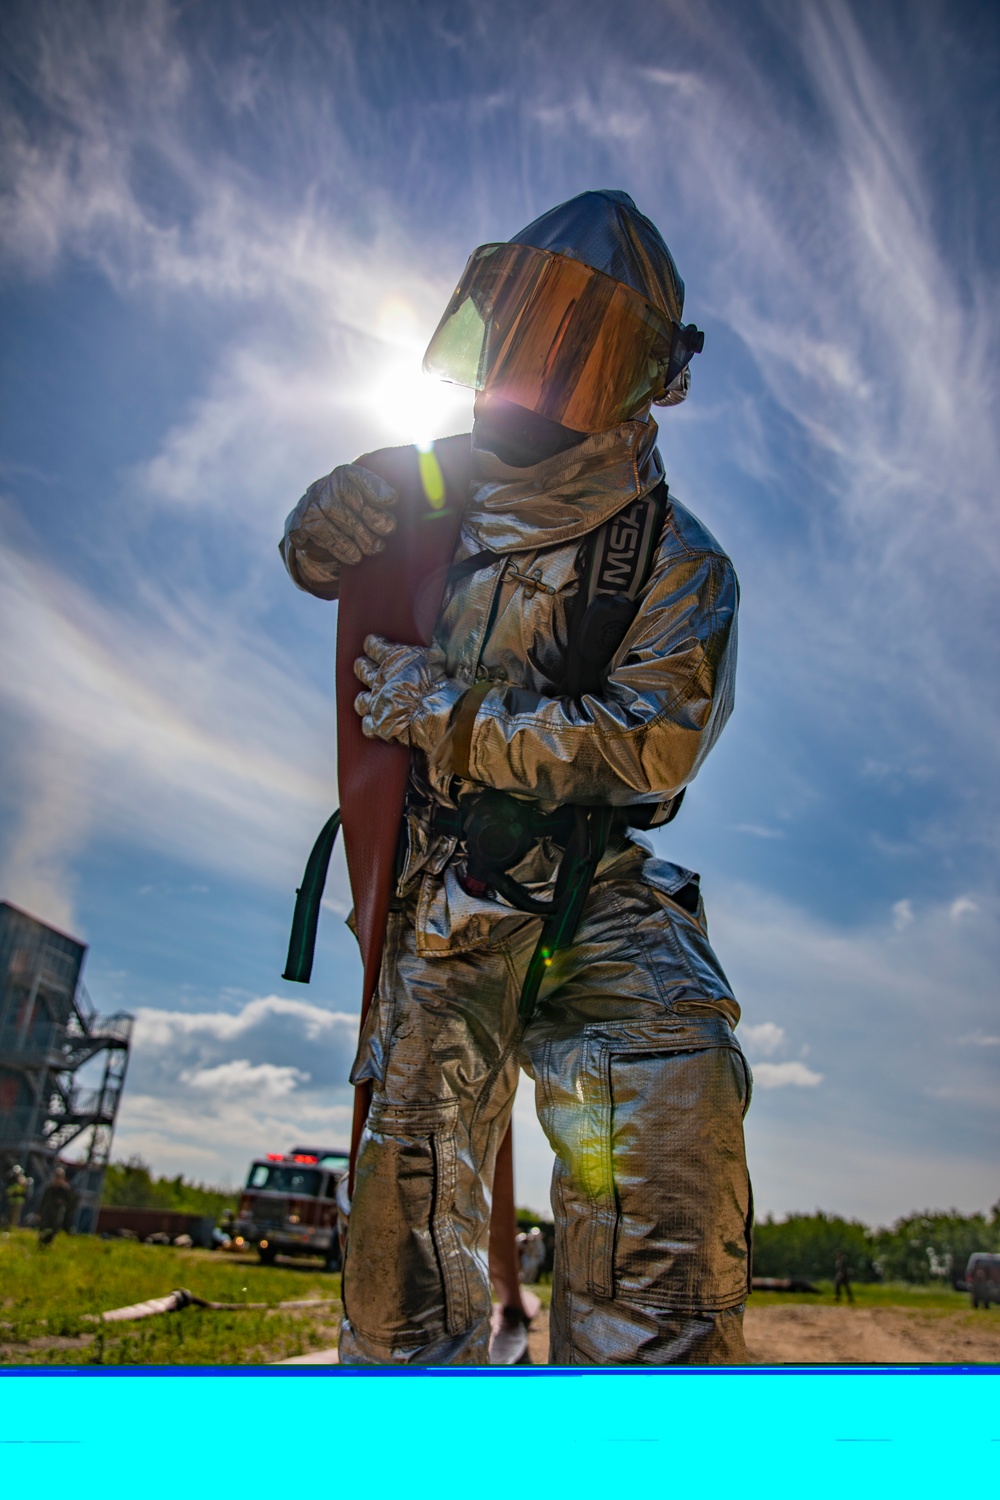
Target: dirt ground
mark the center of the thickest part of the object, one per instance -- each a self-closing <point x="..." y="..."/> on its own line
<point x="871" y="1336"/>
<point x="850" y="1336"/>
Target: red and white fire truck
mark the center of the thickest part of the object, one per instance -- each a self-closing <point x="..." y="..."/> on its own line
<point x="289" y="1204"/>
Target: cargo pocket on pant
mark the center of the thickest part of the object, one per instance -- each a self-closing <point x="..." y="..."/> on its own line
<point x="408" y="1275"/>
<point x="681" y="1194"/>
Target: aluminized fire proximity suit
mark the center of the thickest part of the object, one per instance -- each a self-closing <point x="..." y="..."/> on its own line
<point x="640" y="1084"/>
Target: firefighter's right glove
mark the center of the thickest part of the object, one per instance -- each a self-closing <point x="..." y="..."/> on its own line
<point x="407" y="695"/>
<point x="339" y="520"/>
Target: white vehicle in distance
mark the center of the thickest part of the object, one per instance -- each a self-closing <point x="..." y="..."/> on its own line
<point x="982" y="1276"/>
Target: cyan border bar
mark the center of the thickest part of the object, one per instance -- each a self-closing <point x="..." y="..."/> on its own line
<point x="765" y="1432"/>
<point x="527" y="1372"/>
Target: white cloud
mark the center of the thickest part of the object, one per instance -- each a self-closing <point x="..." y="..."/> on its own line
<point x="764" y="1038"/>
<point x="70" y="186"/>
<point x="902" y="915"/>
<point x="828" y="263"/>
<point x="214" y="1139"/>
<point x="207" y="1090"/>
<point x="162" y="728"/>
<point x="783" y="1075"/>
<point x="255" y="1033"/>
<point x="962" y="906"/>
<point x="892" y="1016"/>
<point x="37" y="870"/>
<point x="687" y="85"/>
<point x="265" y="1080"/>
<point x="279" y="413"/>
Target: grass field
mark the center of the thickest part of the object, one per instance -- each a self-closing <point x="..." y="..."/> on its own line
<point x="48" y="1298"/>
<point x="872" y="1294"/>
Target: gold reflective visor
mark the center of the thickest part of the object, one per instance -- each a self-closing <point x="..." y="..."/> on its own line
<point x="553" y="335"/>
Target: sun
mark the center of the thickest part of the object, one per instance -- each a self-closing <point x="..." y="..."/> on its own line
<point x="413" y="407"/>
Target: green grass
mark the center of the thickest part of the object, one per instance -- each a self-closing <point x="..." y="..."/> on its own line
<point x="46" y="1295"/>
<point x="874" y="1294"/>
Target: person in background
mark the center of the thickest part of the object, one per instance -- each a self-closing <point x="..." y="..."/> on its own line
<point x="841" y="1279"/>
<point x="55" y="1211"/>
<point x="18" y="1187"/>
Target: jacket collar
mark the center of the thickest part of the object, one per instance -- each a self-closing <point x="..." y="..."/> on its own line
<point x="563" y="497"/>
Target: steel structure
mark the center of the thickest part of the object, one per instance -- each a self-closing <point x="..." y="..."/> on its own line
<point x="49" y="1030"/>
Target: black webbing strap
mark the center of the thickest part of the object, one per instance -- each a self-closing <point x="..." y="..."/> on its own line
<point x="302" y="942"/>
<point x="576" y="874"/>
<point x="469" y="565"/>
<point x="615" y="568"/>
<point x="623" y="548"/>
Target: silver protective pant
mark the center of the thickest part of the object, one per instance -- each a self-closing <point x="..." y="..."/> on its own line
<point x="641" y="1088"/>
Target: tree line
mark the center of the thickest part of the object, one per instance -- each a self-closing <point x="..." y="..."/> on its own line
<point x="131" y="1184"/>
<point x="920" y="1248"/>
<point x="926" y="1247"/>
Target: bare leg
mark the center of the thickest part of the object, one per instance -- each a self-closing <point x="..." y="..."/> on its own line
<point x="504" y="1263"/>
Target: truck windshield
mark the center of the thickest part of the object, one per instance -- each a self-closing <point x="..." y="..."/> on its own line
<point x="335" y="1163"/>
<point x="301" y="1181"/>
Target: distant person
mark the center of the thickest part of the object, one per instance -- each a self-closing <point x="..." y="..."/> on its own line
<point x="531" y="1254"/>
<point x="841" y="1279"/>
<point x="55" y="1211"/>
<point x="222" y="1234"/>
<point x="17" y="1191"/>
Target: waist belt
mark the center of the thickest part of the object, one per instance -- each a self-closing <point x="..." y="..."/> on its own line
<point x="497" y="831"/>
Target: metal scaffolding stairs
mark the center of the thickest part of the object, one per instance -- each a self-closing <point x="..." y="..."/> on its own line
<point x="49" y="1031"/>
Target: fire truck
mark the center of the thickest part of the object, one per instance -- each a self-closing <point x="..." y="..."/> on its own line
<point x="289" y="1204"/>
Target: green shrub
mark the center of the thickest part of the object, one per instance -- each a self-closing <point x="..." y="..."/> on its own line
<point x="805" y="1245"/>
<point x="931" y="1246"/>
<point x="919" y="1249"/>
<point x="131" y="1184"/>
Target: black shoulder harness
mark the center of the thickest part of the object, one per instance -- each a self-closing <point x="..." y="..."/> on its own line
<point x="619" y="556"/>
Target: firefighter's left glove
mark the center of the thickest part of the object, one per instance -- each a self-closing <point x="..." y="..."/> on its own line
<point x="407" y="695"/>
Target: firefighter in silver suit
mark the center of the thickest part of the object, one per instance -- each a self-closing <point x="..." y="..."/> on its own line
<point x="569" y="332"/>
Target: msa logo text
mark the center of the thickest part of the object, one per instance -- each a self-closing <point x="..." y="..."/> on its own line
<point x="624" y="537"/>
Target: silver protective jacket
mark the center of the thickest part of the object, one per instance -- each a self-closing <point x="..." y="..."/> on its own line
<point x="504" y="631"/>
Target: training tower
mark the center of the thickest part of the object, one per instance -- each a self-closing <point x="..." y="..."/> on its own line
<point x="49" y="1031"/>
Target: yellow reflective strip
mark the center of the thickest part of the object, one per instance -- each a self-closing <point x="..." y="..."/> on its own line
<point x="431" y="477"/>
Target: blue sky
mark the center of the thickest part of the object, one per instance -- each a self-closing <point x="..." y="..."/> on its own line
<point x="227" y="232"/>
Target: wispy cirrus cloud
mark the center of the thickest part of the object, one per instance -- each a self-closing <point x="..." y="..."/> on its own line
<point x="159" y="727"/>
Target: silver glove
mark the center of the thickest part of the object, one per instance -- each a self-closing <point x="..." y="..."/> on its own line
<point x="408" y="696"/>
<point x="339" y="520"/>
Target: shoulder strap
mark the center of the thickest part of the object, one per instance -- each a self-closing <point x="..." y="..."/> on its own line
<point x="617" y="565"/>
<point x="623" y="548"/>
